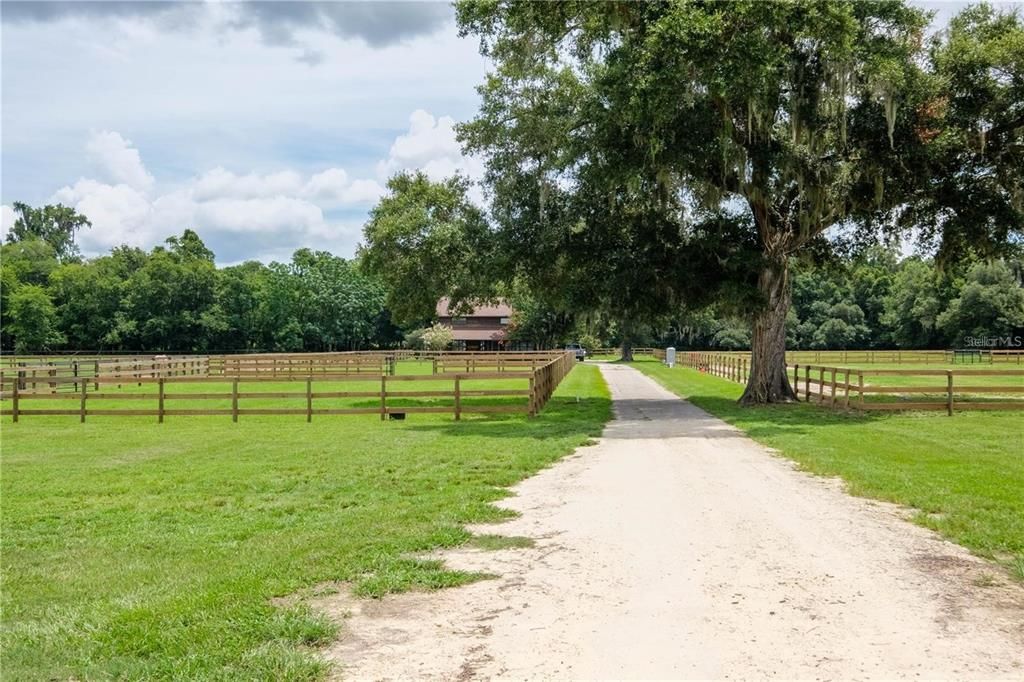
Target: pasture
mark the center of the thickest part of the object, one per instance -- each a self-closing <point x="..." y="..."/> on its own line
<point x="139" y="549"/>
<point x="963" y="476"/>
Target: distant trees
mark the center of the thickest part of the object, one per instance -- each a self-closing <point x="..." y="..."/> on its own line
<point x="989" y="304"/>
<point x="55" y="225"/>
<point x="877" y="302"/>
<point x="174" y="298"/>
<point x="32" y="319"/>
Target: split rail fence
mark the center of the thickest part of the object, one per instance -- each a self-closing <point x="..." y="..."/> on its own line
<point x="894" y="357"/>
<point x="380" y="393"/>
<point x="61" y="375"/>
<point x="865" y="389"/>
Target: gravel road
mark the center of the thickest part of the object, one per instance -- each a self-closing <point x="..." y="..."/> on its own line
<point x="678" y="548"/>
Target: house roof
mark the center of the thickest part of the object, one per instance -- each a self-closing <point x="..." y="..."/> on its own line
<point x="501" y="309"/>
<point x="488" y="333"/>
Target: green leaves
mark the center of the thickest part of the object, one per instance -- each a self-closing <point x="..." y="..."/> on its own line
<point x="54" y="224"/>
<point x="426" y="240"/>
<point x="33" y="320"/>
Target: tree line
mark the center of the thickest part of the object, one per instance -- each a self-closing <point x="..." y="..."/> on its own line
<point x="174" y="298"/>
<point x="879" y="302"/>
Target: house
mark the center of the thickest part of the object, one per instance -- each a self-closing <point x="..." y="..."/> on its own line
<point x="486" y="328"/>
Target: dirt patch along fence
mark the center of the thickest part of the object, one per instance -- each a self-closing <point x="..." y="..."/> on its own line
<point x="514" y="391"/>
<point x="884" y="389"/>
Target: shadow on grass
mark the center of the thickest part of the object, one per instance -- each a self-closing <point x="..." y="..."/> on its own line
<point x="774" y="420"/>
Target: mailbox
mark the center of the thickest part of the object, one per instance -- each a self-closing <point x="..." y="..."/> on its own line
<point x="670" y="356"/>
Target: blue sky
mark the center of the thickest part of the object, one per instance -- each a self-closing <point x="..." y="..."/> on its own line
<point x="265" y="126"/>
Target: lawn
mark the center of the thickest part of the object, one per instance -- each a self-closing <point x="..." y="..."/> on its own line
<point x="964" y="474"/>
<point x="153" y="551"/>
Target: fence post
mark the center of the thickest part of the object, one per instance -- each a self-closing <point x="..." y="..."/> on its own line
<point x="949" y="392"/>
<point x="81" y="416"/>
<point x="846" y="391"/>
<point x="860" y="388"/>
<point x="458" y="400"/>
<point x="532" y="407"/>
<point x="796" y="381"/>
<point x="160" y="404"/>
<point x="14" y="402"/>
<point x="383" y="397"/>
<point x="96" y="375"/>
<point x="234" y="400"/>
<point x="807" y="383"/>
<point x="309" y="399"/>
<point x="821" y="385"/>
<point x="833" y="403"/>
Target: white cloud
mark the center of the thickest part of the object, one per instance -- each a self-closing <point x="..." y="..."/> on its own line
<point x="333" y="187"/>
<point x="247" y="214"/>
<point x="331" y="182"/>
<point x="261" y="215"/>
<point x="120" y="214"/>
<point x="430" y="146"/>
<point x="119" y="160"/>
<point x="362" y="191"/>
<point x="7" y="218"/>
<point x="223" y="183"/>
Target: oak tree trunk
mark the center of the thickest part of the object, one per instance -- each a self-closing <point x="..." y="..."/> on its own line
<point x="627" y="350"/>
<point x="768" y="382"/>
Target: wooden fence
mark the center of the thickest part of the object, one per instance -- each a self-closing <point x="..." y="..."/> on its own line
<point x="847" y="388"/>
<point x="895" y="357"/>
<point x="59" y="375"/>
<point x="859" y="389"/>
<point x="498" y="362"/>
<point x="641" y="350"/>
<point x="291" y="365"/>
<point x="731" y="367"/>
<point x="388" y="397"/>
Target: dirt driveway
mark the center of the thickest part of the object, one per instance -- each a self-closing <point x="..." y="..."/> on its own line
<point x="678" y="548"/>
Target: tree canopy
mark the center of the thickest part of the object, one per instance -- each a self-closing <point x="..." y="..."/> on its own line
<point x="679" y="151"/>
<point x="426" y="240"/>
<point x="55" y="225"/>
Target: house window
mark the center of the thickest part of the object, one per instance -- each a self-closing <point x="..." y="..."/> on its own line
<point x="458" y="320"/>
<point x="503" y="320"/>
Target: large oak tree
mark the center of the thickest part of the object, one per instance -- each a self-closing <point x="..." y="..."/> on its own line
<point x="671" y="129"/>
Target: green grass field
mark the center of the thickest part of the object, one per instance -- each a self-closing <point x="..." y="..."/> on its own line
<point x="965" y="474"/>
<point x="139" y="550"/>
